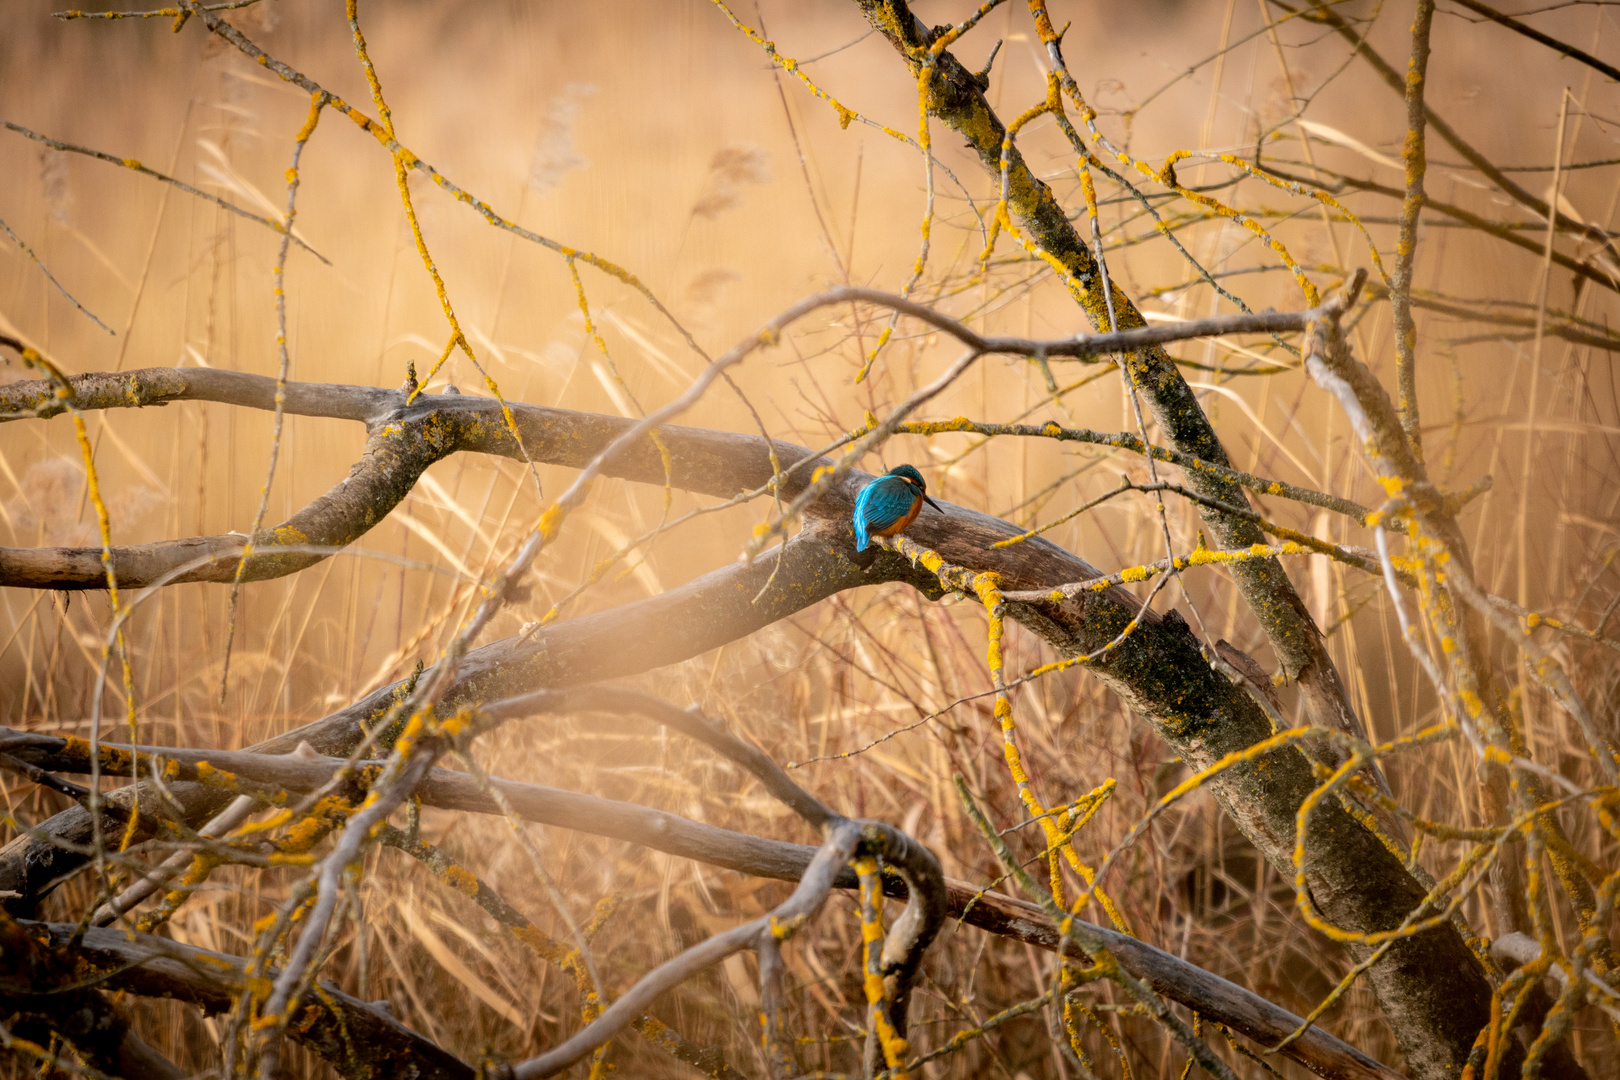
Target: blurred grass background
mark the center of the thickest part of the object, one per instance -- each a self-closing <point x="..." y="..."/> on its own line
<point x="657" y="136"/>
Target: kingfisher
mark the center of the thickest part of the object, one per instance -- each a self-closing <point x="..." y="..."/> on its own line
<point x="887" y="505"/>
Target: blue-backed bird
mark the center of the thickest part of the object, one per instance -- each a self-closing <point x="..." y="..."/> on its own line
<point x="886" y="506"/>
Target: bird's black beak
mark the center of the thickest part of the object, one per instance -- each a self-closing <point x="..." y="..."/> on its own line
<point x="934" y="504"/>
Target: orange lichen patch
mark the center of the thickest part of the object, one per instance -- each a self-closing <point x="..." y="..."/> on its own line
<point x="461" y="880"/>
<point x="305" y="834"/>
<point x="308" y="1016"/>
<point x="551" y="521"/>
<point x="542" y="945"/>
<point x="782" y="929"/>
<point x="213" y="777"/>
<point x="459" y="722"/>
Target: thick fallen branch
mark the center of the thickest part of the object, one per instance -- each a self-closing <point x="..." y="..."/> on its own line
<point x="43" y="997"/>
<point x="361" y="1042"/>
<point x="1207" y="994"/>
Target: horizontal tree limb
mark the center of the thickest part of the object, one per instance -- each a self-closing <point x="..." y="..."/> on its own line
<point x="406" y="436"/>
<point x="403" y="443"/>
<point x="1210" y="995"/>
<point x="37" y="398"/>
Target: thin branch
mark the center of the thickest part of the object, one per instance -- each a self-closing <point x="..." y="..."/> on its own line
<point x="26" y="250"/>
<point x="1324" y="13"/>
<point x="1543" y="39"/>
<point x="130" y="163"/>
<point x="1414" y="155"/>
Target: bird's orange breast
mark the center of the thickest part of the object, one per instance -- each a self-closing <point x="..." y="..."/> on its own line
<point x="899" y="526"/>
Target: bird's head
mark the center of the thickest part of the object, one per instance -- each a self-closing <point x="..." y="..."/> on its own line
<point x="910" y="475"/>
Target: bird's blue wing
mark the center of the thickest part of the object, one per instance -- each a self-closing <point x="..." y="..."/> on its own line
<point x="880" y="504"/>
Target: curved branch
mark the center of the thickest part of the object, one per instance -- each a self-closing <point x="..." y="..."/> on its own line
<point x="405" y="437"/>
<point x="909" y="937"/>
<point x="36" y="398"/>
<point x="917" y="867"/>
<point x="394" y="458"/>
<point x="817" y="882"/>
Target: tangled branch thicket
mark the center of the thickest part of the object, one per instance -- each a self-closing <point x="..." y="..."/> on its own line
<point x="1250" y="708"/>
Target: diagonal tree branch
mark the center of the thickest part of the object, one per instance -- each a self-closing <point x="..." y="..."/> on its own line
<point x="1542" y="39"/>
<point x="1432" y="989"/>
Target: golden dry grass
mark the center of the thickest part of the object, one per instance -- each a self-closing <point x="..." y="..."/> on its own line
<point x="653" y="135"/>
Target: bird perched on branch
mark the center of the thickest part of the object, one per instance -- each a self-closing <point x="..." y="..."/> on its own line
<point x="886" y="506"/>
